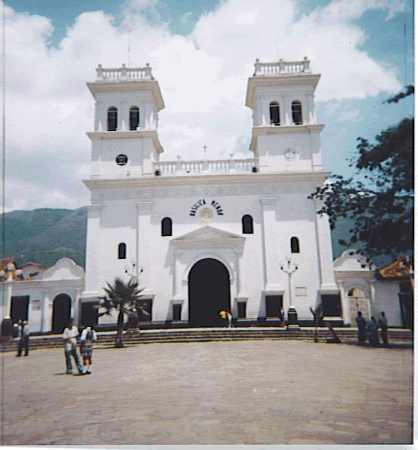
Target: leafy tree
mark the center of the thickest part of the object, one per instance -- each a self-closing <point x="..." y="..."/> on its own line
<point x="122" y="297"/>
<point x="381" y="203"/>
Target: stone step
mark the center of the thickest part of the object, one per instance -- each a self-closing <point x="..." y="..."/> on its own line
<point x="207" y="335"/>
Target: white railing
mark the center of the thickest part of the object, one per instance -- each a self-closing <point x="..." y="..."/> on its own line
<point x="282" y="67"/>
<point x="205" y="166"/>
<point x="124" y="73"/>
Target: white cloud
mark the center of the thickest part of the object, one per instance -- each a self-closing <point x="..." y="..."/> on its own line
<point x="202" y="76"/>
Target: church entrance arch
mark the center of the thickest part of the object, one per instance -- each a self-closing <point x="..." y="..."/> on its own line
<point x="61" y="313"/>
<point x="209" y="293"/>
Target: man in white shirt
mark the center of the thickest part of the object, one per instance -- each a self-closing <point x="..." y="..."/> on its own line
<point x="70" y="339"/>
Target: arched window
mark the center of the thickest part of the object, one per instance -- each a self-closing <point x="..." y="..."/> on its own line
<point x="112" y="119"/>
<point x="133" y="118"/>
<point x="274" y="113"/>
<point x="247" y="224"/>
<point x="297" y="112"/>
<point x="166" y="227"/>
<point x="122" y="251"/>
<point x="294" y="245"/>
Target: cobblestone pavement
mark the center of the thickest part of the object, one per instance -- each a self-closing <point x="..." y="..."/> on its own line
<point x="256" y="392"/>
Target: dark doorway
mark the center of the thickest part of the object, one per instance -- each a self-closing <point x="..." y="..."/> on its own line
<point x="61" y="313"/>
<point x="89" y="314"/>
<point x="19" y="308"/>
<point x="209" y="293"/>
<point x="274" y="304"/>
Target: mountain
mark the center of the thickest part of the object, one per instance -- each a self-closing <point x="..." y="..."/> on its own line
<point x="46" y="235"/>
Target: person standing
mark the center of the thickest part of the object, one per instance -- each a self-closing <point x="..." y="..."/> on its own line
<point x="229" y="317"/>
<point x="372" y="329"/>
<point x="383" y="324"/>
<point x="23" y="338"/>
<point x="88" y="336"/>
<point x="70" y="338"/>
<point x="361" y="324"/>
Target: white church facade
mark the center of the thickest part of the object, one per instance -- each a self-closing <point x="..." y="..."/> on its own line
<point x="202" y="236"/>
<point x="211" y="235"/>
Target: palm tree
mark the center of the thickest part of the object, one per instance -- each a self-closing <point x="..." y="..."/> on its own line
<point x="122" y="297"/>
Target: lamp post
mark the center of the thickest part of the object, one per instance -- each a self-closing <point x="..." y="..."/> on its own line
<point x="7" y="275"/>
<point x="288" y="266"/>
<point x="132" y="271"/>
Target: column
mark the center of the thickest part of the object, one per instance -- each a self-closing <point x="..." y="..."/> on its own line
<point x="92" y="287"/>
<point x="269" y="244"/>
<point x="285" y="102"/>
<point x="310" y="108"/>
<point x="258" y="116"/>
<point x="177" y="276"/>
<point x="344" y="303"/>
<point x="76" y="306"/>
<point x="373" y="307"/>
<point x="45" y="324"/>
<point x="98" y="126"/>
<point x="123" y="118"/>
<point x="324" y="249"/>
<point x="144" y="243"/>
<point x="238" y="255"/>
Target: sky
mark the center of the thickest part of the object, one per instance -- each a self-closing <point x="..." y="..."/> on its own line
<point x="202" y="53"/>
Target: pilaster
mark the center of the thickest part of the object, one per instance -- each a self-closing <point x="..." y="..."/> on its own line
<point x="144" y="257"/>
<point x="269" y="244"/>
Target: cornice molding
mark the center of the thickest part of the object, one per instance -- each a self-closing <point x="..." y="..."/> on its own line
<point x="207" y="180"/>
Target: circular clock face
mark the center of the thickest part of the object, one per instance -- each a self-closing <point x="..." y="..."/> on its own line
<point x="290" y="154"/>
<point x="121" y="160"/>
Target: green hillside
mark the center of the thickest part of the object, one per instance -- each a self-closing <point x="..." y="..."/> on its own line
<point x="46" y="235"/>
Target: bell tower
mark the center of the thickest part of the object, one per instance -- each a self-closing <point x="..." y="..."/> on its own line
<point x="125" y="141"/>
<point x="285" y="135"/>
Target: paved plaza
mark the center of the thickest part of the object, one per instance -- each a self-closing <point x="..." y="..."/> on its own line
<point x="255" y="392"/>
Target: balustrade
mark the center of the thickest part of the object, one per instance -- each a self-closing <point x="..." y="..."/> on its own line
<point x="282" y="67"/>
<point x="123" y="73"/>
<point x="219" y="166"/>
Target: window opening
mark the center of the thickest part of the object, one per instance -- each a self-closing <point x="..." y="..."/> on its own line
<point x="112" y="119"/>
<point x="297" y="112"/>
<point x="122" y="251"/>
<point x="294" y="245"/>
<point x="166" y="227"/>
<point x="274" y="114"/>
<point x="247" y="225"/>
<point x="133" y="118"/>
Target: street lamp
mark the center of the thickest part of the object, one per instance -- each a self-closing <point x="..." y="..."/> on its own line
<point x="7" y="275"/>
<point x="132" y="271"/>
<point x="290" y="267"/>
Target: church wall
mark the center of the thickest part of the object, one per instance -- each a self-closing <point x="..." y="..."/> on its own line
<point x="386" y="299"/>
<point x="272" y="146"/>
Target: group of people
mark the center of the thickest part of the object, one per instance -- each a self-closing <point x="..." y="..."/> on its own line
<point x="369" y="329"/>
<point x="87" y="337"/>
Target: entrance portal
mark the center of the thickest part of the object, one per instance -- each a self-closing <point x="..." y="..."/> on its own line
<point x="208" y="293"/>
<point x="61" y="313"/>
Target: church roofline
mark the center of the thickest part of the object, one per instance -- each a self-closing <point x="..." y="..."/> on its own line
<point x="191" y="180"/>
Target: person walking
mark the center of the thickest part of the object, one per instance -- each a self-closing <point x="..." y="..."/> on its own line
<point x="383" y="324"/>
<point x="23" y="338"/>
<point x="88" y="336"/>
<point x="361" y="324"/>
<point x="70" y="338"/>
